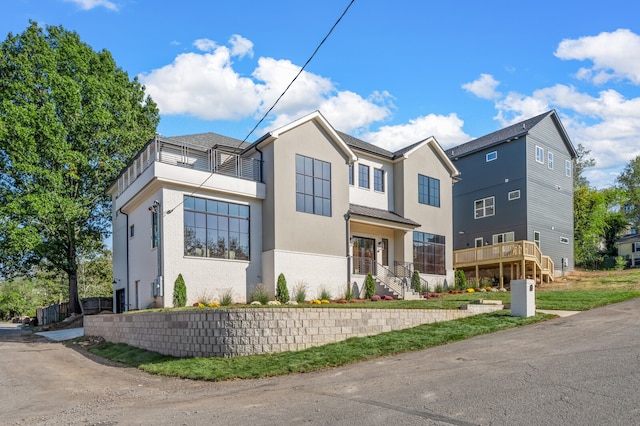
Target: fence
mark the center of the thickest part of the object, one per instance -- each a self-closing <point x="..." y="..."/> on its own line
<point x="52" y="313"/>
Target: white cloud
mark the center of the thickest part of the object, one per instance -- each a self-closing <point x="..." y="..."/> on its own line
<point x="484" y="87"/>
<point x="447" y="129"/>
<point x="205" y="85"/>
<point x="92" y="4"/>
<point x="614" y="56"/>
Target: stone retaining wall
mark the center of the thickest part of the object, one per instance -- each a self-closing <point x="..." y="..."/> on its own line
<point x="232" y="332"/>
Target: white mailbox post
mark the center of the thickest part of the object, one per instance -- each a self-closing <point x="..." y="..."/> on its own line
<point x="523" y="298"/>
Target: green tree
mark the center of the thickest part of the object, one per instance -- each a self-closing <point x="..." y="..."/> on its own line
<point x="582" y="162"/>
<point x="416" y="285"/>
<point x="590" y="209"/>
<point x="70" y="119"/>
<point x="629" y="182"/>
<point x="282" y="292"/>
<point x="95" y="275"/>
<point x="369" y="286"/>
<point x="179" y="292"/>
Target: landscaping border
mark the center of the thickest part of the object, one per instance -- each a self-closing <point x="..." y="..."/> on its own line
<point x="234" y="332"/>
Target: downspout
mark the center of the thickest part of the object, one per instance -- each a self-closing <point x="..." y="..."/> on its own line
<point x="347" y="218"/>
<point x="127" y="304"/>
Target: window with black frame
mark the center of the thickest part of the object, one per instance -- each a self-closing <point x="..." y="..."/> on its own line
<point x="217" y="229"/>
<point x="429" y="253"/>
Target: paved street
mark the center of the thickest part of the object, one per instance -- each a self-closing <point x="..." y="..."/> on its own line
<point x="578" y="370"/>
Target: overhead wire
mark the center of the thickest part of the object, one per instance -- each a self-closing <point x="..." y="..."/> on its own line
<point x="276" y="101"/>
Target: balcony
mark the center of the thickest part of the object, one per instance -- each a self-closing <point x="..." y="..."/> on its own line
<point x="181" y="155"/>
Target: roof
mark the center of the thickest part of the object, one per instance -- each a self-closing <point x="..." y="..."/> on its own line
<point x="361" y="145"/>
<point x="507" y="134"/>
<point x="629" y="238"/>
<point x="374" y="213"/>
<point x="206" y="141"/>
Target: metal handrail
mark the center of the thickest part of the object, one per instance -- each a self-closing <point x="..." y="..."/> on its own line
<point x="404" y="271"/>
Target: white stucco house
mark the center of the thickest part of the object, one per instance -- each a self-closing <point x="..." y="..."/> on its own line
<point x="321" y="207"/>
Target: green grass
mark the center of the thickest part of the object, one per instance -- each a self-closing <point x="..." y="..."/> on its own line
<point x="581" y="300"/>
<point x="328" y="356"/>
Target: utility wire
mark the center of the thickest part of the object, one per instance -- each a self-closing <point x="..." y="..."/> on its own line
<point x="277" y="100"/>
<point x="300" y="72"/>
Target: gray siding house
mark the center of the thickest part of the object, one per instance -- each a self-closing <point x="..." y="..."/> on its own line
<point x="517" y="184"/>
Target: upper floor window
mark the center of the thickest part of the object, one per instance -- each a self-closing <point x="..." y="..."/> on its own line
<point x="564" y="240"/>
<point x="132" y="231"/>
<point x="350" y="174"/>
<point x="514" y="195"/>
<point x="550" y="160"/>
<point x="536" y="238"/>
<point x="363" y="176"/>
<point x="484" y="207"/>
<point x="428" y="191"/>
<point x="539" y="154"/>
<point x="493" y="155"/>
<point x="378" y="180"/>
<point x="313" y="186"/>
<point x="216" y="229"/>
<point x="567" y="168"/>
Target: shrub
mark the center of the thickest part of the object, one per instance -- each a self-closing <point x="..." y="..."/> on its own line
<point x="260" y="294"/>
<point x="300" y="292"/>
<point x="282" y="292"/>
<point x="461" y="280"/>
<point x="179" y="293"/>
<point x="369" y="286"/>
<point x="415" y="281"/>
<point x="439" y="288"/>
<point x="324" y="294"/>
<point x="226" y="297"/>
<point x="348" y="294"/>
<point x="620" y="263"/>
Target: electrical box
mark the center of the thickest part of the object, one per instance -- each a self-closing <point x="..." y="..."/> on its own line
<point x="523" y="298"/>
<point x="157" y="287"/>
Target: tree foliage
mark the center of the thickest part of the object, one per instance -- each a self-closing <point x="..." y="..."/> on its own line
<point x="179" y="292"/>
<point x="282" y="292"/>
<point x="369" y="286"/>
<point x="416" y="284"/>
<point x="70" y="119"/>
<point x="582" y="162"/>
<point x="629" y="182"/>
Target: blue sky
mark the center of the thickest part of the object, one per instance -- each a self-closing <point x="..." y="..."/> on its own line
<point x="391" y="73"/>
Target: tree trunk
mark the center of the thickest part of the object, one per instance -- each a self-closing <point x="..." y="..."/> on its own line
<point x="74" y="302"/>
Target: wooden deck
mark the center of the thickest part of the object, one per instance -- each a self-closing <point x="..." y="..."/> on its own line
<point x="524" y="259"/>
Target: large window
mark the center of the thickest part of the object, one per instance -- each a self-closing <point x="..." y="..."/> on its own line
<point x="363" y="176"/>
<point x="428" y="191"/>
<point x="378" y="180"/>
<point x="506" y="237"/>
<point x="429" y="253"/>
<point x="484" y="207"/>
<point x="216" y="229"/>
<point x="313" y="186"/>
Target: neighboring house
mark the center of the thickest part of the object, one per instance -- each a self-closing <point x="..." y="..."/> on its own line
<point x="629" y="248"/>
<point x="317" y="205"/>
<point x="517" y="184"/>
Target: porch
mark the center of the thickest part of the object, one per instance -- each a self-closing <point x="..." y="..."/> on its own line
<point x="523" y="258"/>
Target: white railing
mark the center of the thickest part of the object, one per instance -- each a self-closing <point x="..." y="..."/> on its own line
<point x="209" y="160"/>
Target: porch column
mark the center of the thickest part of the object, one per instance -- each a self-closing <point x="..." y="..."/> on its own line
<point x="477" y="274"/>
<point x="501" y="276"/>
<point x="524" y="269"/>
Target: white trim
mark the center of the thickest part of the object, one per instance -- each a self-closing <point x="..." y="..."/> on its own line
<point x="537" y="241"/>
<point x="539" y="158"/>
<point x="491" y="156"/>
<point x="475" y="242"/>
<point x="550" y="160"/>
<point x="513" y="195"/>
<point x="484" y="207"/>
<point x="564" y="240"/>
<point x="567" y="168"/>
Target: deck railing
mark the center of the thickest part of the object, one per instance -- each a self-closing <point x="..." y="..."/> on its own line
<point x="503" y="252"/>
<point x="181" y="155"/>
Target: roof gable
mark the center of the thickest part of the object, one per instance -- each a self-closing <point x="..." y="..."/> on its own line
<point x="508" y="134"/>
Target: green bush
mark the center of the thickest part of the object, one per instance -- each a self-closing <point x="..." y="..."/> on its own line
<point x="226" y="298"/>
<point x="324" y="294"/>
<point x="282" y="292"/>
<point x="461" y="280"/>
<point x="439" y="288"/>
<point x="300" y="293"/>
<point x="348" y="294"/>
<point x="179" y="293"/>
<point x="260" y="294"/>
<point x="369" y="287"/>
<point x="416" y="285"/>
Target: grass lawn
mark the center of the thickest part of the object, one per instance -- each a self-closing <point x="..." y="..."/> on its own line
<point x="577" y="291"/>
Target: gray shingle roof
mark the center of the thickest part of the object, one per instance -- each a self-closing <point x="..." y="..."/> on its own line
<point x="498" y="137"/>
<point x="361" y="145"/>
<point x="380" y="214"/>
<point x="206" y="141"/>
<point x="629" y="238"/>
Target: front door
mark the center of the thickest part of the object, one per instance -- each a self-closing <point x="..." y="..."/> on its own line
<point x="364" y="255"/>
<point x="120" y="301"/>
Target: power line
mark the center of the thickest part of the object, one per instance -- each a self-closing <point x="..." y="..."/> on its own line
<point x="277" y="100"/>
<point x="300" y="72"/>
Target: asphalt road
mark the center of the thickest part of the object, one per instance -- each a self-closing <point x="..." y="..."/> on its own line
<point x="578" y="370"/>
